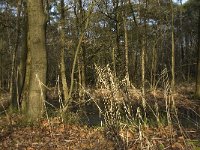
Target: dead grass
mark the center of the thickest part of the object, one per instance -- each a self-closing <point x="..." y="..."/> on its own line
<point x="125" y="124"/>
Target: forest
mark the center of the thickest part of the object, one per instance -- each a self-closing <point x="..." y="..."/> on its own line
<point x="100" y="74"/>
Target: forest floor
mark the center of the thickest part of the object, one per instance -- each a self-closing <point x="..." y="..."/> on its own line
<point x="53" y="133"/>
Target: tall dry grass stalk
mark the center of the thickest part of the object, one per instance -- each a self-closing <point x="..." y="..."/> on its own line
<point x="121" y="118"/>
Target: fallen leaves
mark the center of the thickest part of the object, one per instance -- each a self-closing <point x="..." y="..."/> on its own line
<point x="53" y="135"/>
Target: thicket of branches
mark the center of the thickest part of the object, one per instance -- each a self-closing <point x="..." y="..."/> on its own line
<point x="148" y="25"/>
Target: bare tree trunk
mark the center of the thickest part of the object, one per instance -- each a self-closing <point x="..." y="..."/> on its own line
<point x="143" y="66"/>
<point x="173" y="48"/>
<point x="77" y="52"/>
<point x="23" y="58"/>
<point x="25" y="92"/>
<point x="113" y="61"/>
<point x="154" y="66"/>
<point x="83" y="81"/>
<point x="143" y="48"/>
<point x="14" y="77"/>
<point x="38" y="64"/>
<point x="81" y="72"/>
<point x="75" y="59"/>
<point x="1" y="66"/>
<point x="135" y="61"/>
<point x="198" y="61"/>
<point x="115" y="4"/>
<point x="188" y="56"/>
<point x="62" y="55"/>
<point x="80" y="23"/>
<point x="126" y="53"/>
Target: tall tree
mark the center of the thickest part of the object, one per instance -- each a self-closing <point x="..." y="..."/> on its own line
<point x="80" y="21"/>
<point x="62" y="53"/>
<point x="15" y="64"/>
<point x="173" y="47"/>
<point x="198" y="60"/>
<point x="126" y="50"/>
<point x="23" y="67"/>
<point x="38" y="64"/>
<point x="78" y="48"/>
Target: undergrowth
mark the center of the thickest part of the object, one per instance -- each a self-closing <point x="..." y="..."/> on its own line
<point x="127" y="120"/>
<point x="126" y="117"/>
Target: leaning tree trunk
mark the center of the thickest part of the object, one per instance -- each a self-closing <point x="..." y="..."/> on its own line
<point x="77" y="52"/>
<point x="38" y="64"/>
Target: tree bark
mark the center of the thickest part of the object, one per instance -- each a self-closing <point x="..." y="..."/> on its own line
<point x="15" y="64"/>
<point x="23" y="58"/>
<point x="77" y="52"/>
<point x="113" y="61"/>
<point x="198" y="61"/>
<point x="38" y="64"/>
<point x="154" y="66"/>
<point x="126" y="53"/>
<point x="173" y="48"/>
<point x="65" y="88"/>
<point x="143" y="66"/>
